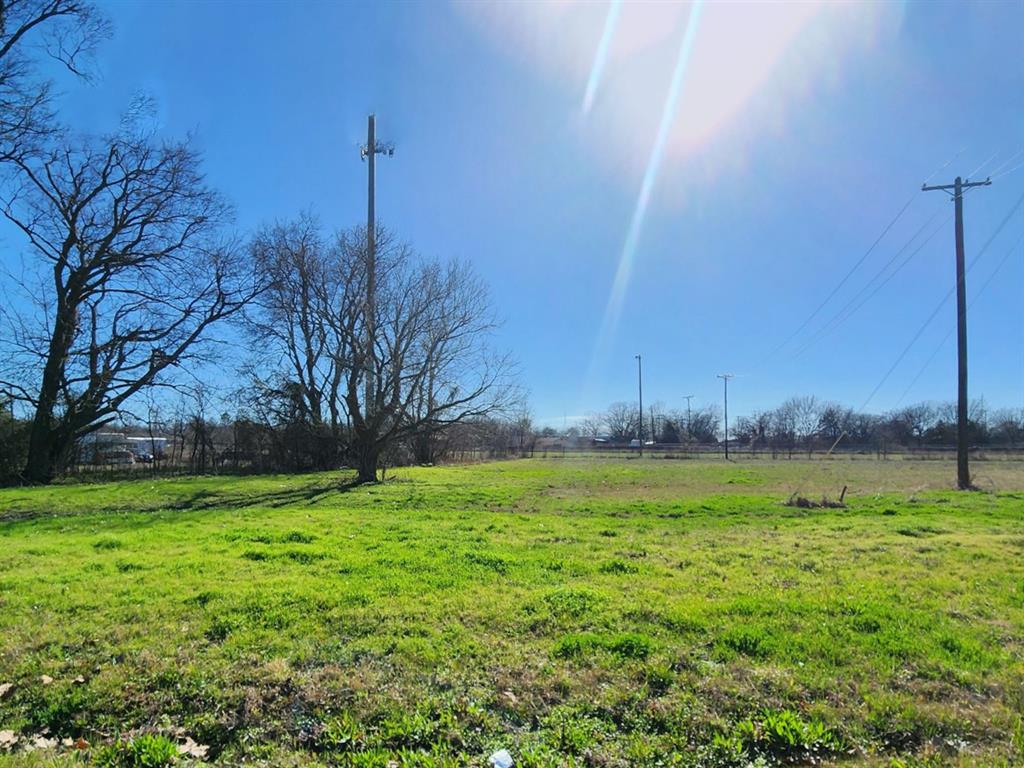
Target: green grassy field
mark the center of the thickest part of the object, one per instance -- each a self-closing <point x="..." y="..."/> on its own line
<point x="575" y="612"/>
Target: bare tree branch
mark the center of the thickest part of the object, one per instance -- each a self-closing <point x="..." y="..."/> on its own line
<point x="138" y="273"/>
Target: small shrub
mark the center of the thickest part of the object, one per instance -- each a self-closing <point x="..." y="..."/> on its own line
<point x="896" y="722"/>
<point x="201" y="599"/>
<point x="659" y="679"/>
<point x="748" y="641"/>
<point x="209" y="729"/>
<point x="804" y="503"/>
<point x="574" y="603"/>
<point x="407" y="730"/>
<point x="630" y="646"/>
<point x="866" y="624"/>
<point x="146" y="751"/>
<point x="219" y="629"/>
<point x="298" y="537"/>
<point x="618" y="567"/>
<point x="491" y="562"/>
<point x="341" y="734"/>
<point x="783" y="735"/>
<point x="577" y="645"/>
<point x="934" y="760"/>
<point x="302" y="557"/>
<point x="571" y="732"/>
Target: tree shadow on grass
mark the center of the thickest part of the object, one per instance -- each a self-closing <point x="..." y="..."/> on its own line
<point x="308" y="496"/>
<point x="200" y="501"/>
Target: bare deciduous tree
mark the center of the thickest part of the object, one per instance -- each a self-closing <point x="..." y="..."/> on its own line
<point x="67" y="30"/>
<point x="432" y="361"/>
<point x="132" y="273"/>
<point x="298" y="357"/>
<point x="623" y="421"/>
<point x="592" y="425"/>
<point x="705" y="423"/>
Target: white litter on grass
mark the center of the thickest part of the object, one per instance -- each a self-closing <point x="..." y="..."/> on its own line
<point x="192" y="749"/>
<point x="40" y="742"/>
<point x="501" y="759"/>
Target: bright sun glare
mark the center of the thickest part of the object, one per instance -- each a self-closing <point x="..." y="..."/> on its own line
<point x="665" y="83"/>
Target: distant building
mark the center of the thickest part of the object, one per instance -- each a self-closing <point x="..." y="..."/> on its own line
<point x="105" y="448"/>
<point x="118" y="448"/>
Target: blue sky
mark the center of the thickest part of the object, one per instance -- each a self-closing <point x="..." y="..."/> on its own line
<point x="797" y="135"/>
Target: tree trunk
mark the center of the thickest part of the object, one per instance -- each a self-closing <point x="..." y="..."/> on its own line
<point x="423" y="449"/>
<point x="49" y="452"/>
<point x="45" y="448"/>
<point x="367" y="464"/>
<point x="39" y="466"/>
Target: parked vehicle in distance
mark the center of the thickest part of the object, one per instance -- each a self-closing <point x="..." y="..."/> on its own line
<point x="117" y="457"/>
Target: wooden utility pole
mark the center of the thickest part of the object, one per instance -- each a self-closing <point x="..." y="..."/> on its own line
<point x="689" y="419"/>
<point x="640" y="386"/>
<point x="725" y="381"/>
<point x="963" y="475"/>
<point x="369" y="153"/>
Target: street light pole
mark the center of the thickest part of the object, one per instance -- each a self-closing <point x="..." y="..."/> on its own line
<point x="725" y="382"/>
<point x="640" y="387"/>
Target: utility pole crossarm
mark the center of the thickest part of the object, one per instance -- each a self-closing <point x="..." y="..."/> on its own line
<point x="963" y="185"/>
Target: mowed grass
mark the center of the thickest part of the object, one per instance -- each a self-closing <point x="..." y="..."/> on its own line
<point x="626" y="612"/>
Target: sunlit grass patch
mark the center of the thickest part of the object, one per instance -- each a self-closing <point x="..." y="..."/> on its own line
<point x="613" y="613"/>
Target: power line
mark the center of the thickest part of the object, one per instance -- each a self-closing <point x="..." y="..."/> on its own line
<point x="842" y="282"/>
<point x="906" y="349"/>
<point x="848" y="309"/>
<point x="945" y="165"/>
<point x="931" y="358"/>
<point x="942" y="303"/>
<point x="978" y="169"/>
<point x="1011" y="170"/>
<point x="899" y="267"/>
<point x="1007" y="161"/>
<point x="856" y="266"/>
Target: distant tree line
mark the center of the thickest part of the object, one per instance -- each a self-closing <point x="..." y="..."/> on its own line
<point x="808" y="423"/>
<point x="243" y="442"/>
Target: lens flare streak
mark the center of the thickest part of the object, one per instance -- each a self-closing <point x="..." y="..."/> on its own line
<point x="628" y="256"/>
<point x="601" y="57"/>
